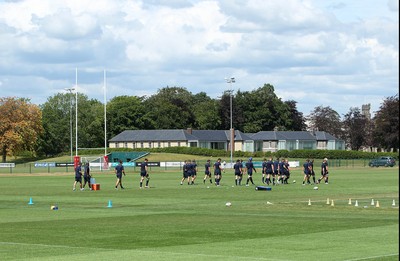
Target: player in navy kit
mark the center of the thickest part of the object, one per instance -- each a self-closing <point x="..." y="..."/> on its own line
<point x="269" y="170"/>
<point x="207" y="172"/>
<point x="194" y="171"/>
<point x="275" y="176"/>
<point x="217" y="171"/>
<point x="119" y="170"/>
<point x="87" y="176"/>
<point x="249" y="169"/>
<point x="263" y="169"/>
<point x="312" y="172"/>
<point x="185" y="172"/>
<point x="144" y="173"/>
<point x="238" y="168"/>
<point x="286" y="172"/>
<point x="281" y="171"/>
<point x="78" y="176"/>
<point x="324" y="171"/>
<point x="306" y="171"/>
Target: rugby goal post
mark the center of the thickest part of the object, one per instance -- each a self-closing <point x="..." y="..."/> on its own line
<point x="97" y="163"/>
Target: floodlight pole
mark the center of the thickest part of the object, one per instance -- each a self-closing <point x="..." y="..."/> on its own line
<point x="105" y="116"/>
<point x="76" y="111"/>
<point x="230" y="81"/>
<point x="70" y="117"/>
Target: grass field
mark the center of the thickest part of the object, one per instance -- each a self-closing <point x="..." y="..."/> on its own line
<point x="174" y="222"/>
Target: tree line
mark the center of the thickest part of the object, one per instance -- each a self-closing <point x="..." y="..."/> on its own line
<point x="46" y="129"/>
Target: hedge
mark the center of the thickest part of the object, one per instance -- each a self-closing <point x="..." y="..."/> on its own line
<point x="312" y="154"/>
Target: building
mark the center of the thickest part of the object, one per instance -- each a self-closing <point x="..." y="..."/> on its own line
<point x="220" y="139"/>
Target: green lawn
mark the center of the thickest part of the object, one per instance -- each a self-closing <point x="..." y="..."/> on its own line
<point x="174" y="222"/>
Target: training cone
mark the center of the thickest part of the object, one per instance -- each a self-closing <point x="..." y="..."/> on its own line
<point x="377" y="204"/>
<point x="349" y="201"/>
<point x="332" y="203"/>
<point x="327" y="201"/>
<point x="394" y="203"/>
<point x="372" y="202"/>
<point x="309" y="202"/>
<point x="109" y="204"/>
<point x="356" y="205"/>
<point x="30" y="202"/>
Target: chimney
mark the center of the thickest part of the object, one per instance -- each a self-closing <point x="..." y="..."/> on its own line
<point x="189" y="130"/>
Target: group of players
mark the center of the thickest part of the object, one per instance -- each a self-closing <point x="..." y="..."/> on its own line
<point x="273" y="172"/>
<point x="278" y="170"/>
<point x="119" y="171"/>
<point x="308" y="170"/>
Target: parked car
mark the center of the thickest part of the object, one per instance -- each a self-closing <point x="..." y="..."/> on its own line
<point x="382" y="161"/>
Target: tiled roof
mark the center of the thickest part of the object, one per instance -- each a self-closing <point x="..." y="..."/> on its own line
<point x="217" y="135"/>
<point x="210" y="135"/>
<point x="153" y="135"/>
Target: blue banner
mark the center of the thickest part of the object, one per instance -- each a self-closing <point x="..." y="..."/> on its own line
<point x="44" y="164"/>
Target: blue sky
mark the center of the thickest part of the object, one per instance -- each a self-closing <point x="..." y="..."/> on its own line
<point x="340" y="54"/>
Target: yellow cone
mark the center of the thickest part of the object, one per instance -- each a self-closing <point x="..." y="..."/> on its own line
<point x="327" y="201"/>
<point x="377" y="204"/>
<point x="349" y="201"/>
<point x="332" y="203"/>
<point x="309" y="202"/>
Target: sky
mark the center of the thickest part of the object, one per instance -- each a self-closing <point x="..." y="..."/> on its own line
<point x="340" y="54"/>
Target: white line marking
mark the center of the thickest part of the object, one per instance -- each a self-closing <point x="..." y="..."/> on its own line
<point x="371" y="257"/>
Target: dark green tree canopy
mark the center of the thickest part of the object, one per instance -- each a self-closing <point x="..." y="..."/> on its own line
<point x="177" y="108"/>
<point x="126" y="113"/>
<point x="355" y="129"/>
<point x="326" y="119"/>
<point x="171" y="108"/>
<point x="386" y="131"/>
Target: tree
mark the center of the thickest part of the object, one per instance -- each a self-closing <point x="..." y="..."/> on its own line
<point x="326" y="119"/>
<point x="205" y="111"/>
<point x="171" y="108"/>
<point x="126" y="113"/>
<point x="57" y="113"/>
<point x="261" y="110"/>
<point x="297" y="118"/>
<point x="386" y="130"/>
<point x="91" y="122"/>
<point x="355" y="128"/>
<point x="20" y="126"/>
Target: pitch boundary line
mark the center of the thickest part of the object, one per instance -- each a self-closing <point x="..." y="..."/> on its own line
<point x="197" y="254"/>
<point x="136" y="250"/>
<point x="371" y="257"/>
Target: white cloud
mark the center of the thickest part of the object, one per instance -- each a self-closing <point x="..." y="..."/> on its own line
<point x="334" y="53"/>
